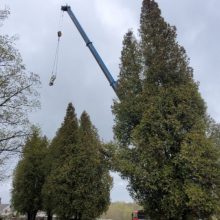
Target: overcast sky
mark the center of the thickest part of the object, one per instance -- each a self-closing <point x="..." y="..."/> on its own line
<point x="80" y="80"/>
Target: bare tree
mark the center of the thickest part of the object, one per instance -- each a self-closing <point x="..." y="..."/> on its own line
<point x="18" y="96"/>
<point x="4" y="14"/>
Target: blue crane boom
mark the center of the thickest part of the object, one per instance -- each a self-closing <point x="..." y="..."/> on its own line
<point x="89" y="44"/>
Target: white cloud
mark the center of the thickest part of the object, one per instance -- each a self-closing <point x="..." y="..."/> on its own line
<point x="115" y="16"/>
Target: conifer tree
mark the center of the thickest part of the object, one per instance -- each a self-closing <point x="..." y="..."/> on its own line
<point x="96" y="180"/>
<point x="62" y="146"/>
<point x="66" y="135"/>
<point x="46" y="192"/>
<point x="79" y="183"/>
<point x="29" y="176"/>
<point x="172" y="166"/>
<point x="128" y="111"/>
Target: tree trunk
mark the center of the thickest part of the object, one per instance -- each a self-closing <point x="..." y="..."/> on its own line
<point x="31" y="215"/>
<point x="49" y="215"/>
<point x="28" y="216"/>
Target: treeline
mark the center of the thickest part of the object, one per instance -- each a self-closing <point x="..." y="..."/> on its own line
<point x="68" y="176"/>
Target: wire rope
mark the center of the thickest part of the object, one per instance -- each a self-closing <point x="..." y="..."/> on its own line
<point x="56" y="57"/>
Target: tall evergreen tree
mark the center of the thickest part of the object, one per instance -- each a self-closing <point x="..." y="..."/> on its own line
<point x="47" y="192"/>
<point x="172" y="165"/>
<point x="79" y="183"/>
<point x="29" y="176"/>
<point x="66" y="135"/>
<point x="128" y="111"/>
<point x="94" y="175"/>
<point x="62" y="146"/>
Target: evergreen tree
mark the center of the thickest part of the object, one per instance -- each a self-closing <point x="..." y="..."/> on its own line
<point x="47" y="193"/>
<point x="172" y="166"/>
<point x="29" y="176"/>
<point x="79" y="183"/>
<point x="213" y="131"/>
<point x="66" y="135"/>
<point x="128" y="111"/>
<point x="61" y="147"/>
<point x="94" y="175"/>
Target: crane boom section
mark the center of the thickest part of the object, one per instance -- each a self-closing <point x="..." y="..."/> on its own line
<point x="89" y="44"/>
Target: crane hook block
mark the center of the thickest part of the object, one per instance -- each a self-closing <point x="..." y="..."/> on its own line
<point x="59" y="33"/>
<point x="52" y="79"/>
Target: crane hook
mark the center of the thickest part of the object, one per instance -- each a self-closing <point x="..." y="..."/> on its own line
<point x="59" y="34"/>
<point x="52" y="79"/>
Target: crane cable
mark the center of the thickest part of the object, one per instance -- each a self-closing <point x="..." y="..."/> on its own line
<point x="56" y="58"/>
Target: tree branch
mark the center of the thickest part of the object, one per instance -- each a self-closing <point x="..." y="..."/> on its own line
<point x="16" y="93"/>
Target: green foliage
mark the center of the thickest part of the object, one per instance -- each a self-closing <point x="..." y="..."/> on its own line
<point x="96" y="180"/>
<point x="66" y="135"/>
<point x="128" y="112"/>
<point x="79" y="183"/>
<point x="169" y="154"/>
<point x="213" y="131"/>
<point x="59" y="152"/>
<point x="29" y="175"/>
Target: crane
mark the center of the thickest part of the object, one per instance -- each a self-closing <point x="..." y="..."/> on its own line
<point x="92" y="49"/>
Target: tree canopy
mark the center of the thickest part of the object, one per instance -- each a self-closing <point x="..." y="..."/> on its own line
<point x="79" y="183"/>
<point x="29" y="176"/>
<point x="18" y="95"/>
<point x="166" y="154"/>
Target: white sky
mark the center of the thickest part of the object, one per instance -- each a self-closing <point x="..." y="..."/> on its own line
<point x="80" y="80"/>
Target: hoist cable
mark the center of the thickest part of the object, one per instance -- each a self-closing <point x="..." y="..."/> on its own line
<point x="56" y="58"/>
<point x="55" y="63"/>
